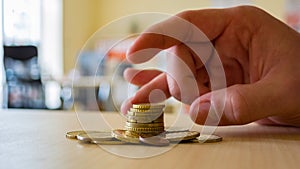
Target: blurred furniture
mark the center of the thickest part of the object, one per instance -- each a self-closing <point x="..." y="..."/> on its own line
<point x="29" y="139"/>
<point x="23" y="76"/>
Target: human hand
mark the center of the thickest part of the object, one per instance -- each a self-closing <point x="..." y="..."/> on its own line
<point x="260" y="59"/>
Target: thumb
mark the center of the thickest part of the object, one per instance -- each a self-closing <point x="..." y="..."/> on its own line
<point x="238" y="104"/>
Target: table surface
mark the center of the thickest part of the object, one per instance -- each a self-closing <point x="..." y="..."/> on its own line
<point x="36" y="139"/>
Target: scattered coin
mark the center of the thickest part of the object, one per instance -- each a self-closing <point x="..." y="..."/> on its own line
<point x="182" y="136"/>
<point x="73" y="134"/>
<point x="99" y="136"/>
<point x="176" y="130"/>
<point x="155" y="140"/>
<point x="209" y="138"/>
<point x="126" y="136"/>
<point x="111" y="142"/>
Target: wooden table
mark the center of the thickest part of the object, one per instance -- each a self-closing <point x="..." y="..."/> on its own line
<point x="35" y="139"/>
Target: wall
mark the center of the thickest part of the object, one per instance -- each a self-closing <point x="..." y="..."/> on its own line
<point x="83" y="17"/>
<point x="80" y="19"/>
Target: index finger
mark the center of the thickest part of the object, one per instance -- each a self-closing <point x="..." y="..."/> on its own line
<point x="189" y="26"/>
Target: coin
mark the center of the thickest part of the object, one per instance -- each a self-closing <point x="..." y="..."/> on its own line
<point x="145" y="119"/>
<point x="155" y="140"/>
<point x="73" y="134"/>
<point x="111" y="142"/>
<point x="126" y="136"/>
<point x="148" y="105"/>
<point x="182" y="136"/>
<point x="144" y="125"/>
<point x="99" y="136"/>
<point x="132" y="120"/>
<point x="144" y="111"/>
<point x="175" y="130"/>
<point x="143" y="129"/>
<point x="209" y="138"/>
<point x="157" y="114"/>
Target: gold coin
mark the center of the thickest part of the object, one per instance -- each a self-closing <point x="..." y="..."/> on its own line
<point x="73" y="134"/>
<point x="99" y="136"/>
<point x="144" y="125"/>
<point x="182" y="136"/>
<point x="159" y="120"/>
<point x="147" y="130"/>
<point x="126" y="136"/>
<point x="148" y="106"/>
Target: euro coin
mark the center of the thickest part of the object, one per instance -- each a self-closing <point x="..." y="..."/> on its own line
<point x="126" y="136"/>
<point x="155" y="140"/>
<point x="182" y="136"/>
<point x="144" y="111"/>
<point x="144" y="119"/>
<point x="111" y="142"/>
<point x="73" y="134"/>
<point x="209" y="138"/>
<point x="157" y="114"/>
<point x="176" y="130"/>
<point x="132" y="120"/>
<point x="148" y="106"/>
<point x="143" y="129"/>
<point x="144" y="125"/>
<point x="99" y="136"/>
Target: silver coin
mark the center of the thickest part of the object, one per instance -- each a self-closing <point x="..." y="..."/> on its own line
<point x="182" y="136"/>
<point x="109" y="142"/>
<point x="155" y="140"/>
<point x="126" y="136"/>
<point x="98" y="136"/>
<point x="176" y="130"/>
<point x="209" y="138"/>
<point x="145" y="119"/>
<point x="73" y="134"/>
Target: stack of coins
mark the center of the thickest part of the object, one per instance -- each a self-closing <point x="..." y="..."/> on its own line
<point x="146" y="119"/>
<point x="145" y="124"/>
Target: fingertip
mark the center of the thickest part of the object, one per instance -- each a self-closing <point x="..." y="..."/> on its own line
<point x="140" y="54"/>
<point x="128" y="72"/>
<point x="126" y="106"/>
<point x="129" y="54"/>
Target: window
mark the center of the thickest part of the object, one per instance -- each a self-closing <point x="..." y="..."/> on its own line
<point x="33" y="22"/>
<point x="36" y="22"/>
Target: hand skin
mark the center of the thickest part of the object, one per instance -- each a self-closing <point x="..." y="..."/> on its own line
<point x="260" y="56"/>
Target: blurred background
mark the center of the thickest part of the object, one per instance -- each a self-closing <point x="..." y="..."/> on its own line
<point x="42" y="62"/>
